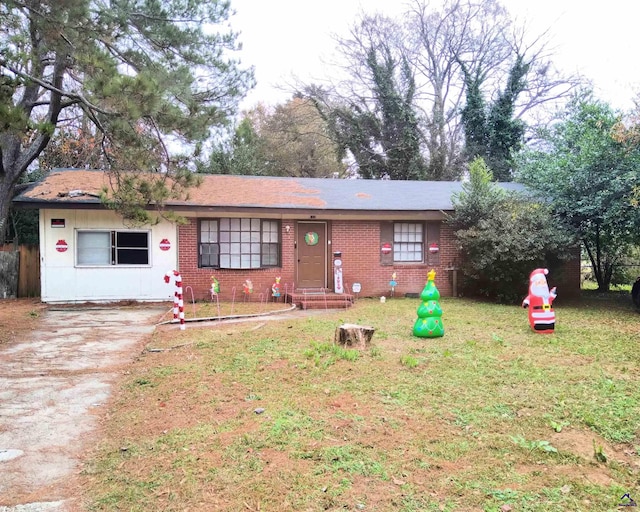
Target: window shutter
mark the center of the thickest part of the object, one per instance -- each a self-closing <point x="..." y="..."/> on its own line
<point x="433" y="241"/>
<point x="386" y="237"/>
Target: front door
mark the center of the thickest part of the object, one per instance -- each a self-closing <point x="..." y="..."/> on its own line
<point x="311" y="242"/>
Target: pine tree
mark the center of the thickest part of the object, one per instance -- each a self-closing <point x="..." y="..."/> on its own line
<point x="140" y="77"/>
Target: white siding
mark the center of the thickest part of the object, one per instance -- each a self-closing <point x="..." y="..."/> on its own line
<point x="62" y="280"/>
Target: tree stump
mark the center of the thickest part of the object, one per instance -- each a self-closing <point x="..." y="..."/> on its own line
<point x="353" y="335"/>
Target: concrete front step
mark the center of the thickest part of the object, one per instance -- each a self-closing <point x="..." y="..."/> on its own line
<point x="330" y="304"/>
<point x="320" y="299"/>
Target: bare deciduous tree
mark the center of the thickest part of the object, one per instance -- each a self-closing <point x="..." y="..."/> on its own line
<point x="438" y="45"/>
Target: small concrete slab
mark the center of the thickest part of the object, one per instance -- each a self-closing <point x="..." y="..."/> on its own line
<point x="9" y="454"/>
<point x="49" y="506"/>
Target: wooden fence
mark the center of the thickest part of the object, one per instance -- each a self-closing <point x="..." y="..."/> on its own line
<point x="27" y="268"/>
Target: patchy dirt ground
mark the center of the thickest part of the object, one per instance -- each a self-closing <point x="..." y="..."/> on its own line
<point x="57" y="367"/>
<point x="18" y="317"/>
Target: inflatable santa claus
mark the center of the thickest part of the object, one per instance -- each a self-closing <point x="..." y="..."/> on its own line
<point x="542" y="318"/>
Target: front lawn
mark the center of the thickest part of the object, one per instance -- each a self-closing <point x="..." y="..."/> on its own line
<point x="269" y="415"/>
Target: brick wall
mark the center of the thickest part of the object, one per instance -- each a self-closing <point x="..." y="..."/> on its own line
<point x="567" y="277"/>
<point x="199" y="279"/>
<point x="359" y="242"/>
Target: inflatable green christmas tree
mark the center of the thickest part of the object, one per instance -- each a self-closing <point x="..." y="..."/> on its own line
<point x="429" y="323"/>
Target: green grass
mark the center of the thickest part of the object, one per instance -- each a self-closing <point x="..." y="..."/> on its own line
<point x="280" y="418"/>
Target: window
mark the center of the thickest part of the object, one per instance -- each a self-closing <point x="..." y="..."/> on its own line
<point x="209" y="247"/>
<point x="239" y="243"/>
<point x="94" y="248"/>
<point x="113" y="248"/>
<point x="131" y="248"/>
<point x="408" y="242"/>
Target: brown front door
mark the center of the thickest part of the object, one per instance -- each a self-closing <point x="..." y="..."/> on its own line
<point x="311" y="241"/>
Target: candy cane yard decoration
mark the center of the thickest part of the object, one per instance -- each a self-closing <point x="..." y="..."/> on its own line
<point x="178" y="302"/>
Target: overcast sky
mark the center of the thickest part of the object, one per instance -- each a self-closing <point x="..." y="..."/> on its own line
<point x="285" y="39"/>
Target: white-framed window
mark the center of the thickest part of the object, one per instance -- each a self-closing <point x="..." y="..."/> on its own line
<point x="408" y="242"/>
<point x="239" y="243"/>
<point x="102" y="247"/>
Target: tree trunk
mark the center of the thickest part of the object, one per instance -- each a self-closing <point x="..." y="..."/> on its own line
<point x="595" y="257"/>
<point x="6" y="195"/>
<point x="9" y="270"/>
<point x="352" y="335"/>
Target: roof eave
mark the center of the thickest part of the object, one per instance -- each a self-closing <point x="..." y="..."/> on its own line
<point x="311" y="213"/>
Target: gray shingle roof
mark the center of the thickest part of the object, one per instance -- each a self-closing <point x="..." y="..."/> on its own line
<point x="357" y="194"/>
<point x="220" y="191"/>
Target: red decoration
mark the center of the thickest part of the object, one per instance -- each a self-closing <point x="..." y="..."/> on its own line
<point x="433" y="248"/>
<point x="386" y="248"/>
<point x="61" y="246"/>
<point x="165" y="245"/>
<point x="178" y="299"/>
<point x="542" y="318"/>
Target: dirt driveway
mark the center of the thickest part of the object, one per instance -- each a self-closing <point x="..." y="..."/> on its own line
<point x="54" y="384"/>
